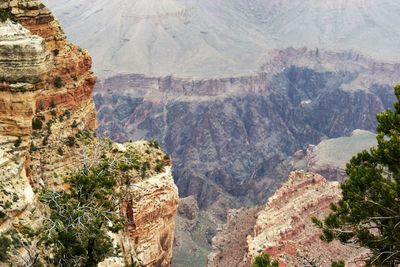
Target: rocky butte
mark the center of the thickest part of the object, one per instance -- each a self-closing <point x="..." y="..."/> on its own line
<point x="283" y="228"/>
<point x="47" y="124"/>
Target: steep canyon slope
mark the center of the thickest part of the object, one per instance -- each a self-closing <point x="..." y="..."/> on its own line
<point x="228" y="136"/>
<point x="233" y="88"/>
<point x="210" y="38"/>
<point x="47" y="124"/>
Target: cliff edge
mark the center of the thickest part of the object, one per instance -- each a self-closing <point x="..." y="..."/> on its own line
<point x="47" y="132"/>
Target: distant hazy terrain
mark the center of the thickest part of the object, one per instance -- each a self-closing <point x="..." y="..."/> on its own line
<point x="211" y="38"/>
<point x="338" y="151"/>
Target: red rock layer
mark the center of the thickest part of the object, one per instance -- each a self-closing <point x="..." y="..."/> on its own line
<point x="285" y="231"/>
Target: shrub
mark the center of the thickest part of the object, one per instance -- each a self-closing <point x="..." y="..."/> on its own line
<point x="81" y="218"/>
<point x="45" y="140"/>
<point x="33" y="148"/>
<point x="5" y="244"/>
<point x="52" y="104"/>
<point x="58" y="82"/>
<point x="18" y="142"/>
<point x="368" y="213"/>
<point x="37" y="124"/>
<point x="2" y="215"/>
<point x="5" y="14"/>
<point x="74" y="124"/>
<point x="67" y="114"/>
<point x="263" y="260"/>
<point x="71" y="141"/>
<point x="338" y="264"/>
<point x="154" y="144"/>
<point x="60" y="151"/>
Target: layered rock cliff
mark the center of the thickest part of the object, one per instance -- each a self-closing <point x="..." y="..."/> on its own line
<point x="227" y="136"/>
<point x="47" y="123"/>
<point x="284" y="229"/>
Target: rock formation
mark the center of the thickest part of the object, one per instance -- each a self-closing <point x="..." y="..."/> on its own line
<point x="228" y="135"/>
<point x="284" y="230"/>
<point x="225" y="38"/>
<point x="230" y="245"/>
<point x="47" y="123"/>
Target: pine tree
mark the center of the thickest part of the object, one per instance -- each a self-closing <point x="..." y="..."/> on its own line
<point x="263" y="260"/>
<point x="77" y="230"/>
<point x="369" y="212"/>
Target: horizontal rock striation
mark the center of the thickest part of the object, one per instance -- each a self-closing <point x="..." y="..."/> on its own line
<point x="23" y="56"/>
<point x="149" y="234"/>
<point x="285" y="231"/>
<point x="235" y="132"/>
<point x="47" y="123"/>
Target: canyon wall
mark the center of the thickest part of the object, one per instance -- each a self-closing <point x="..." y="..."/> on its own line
<point x="283" y="228"/>
<point x="47" y="124"/>
<point x="229" y="136"/>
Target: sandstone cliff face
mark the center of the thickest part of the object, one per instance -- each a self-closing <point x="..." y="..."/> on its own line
<point x="283" y="228"/>
<point x="47" y="123"/>
<point x="285" y="231"/>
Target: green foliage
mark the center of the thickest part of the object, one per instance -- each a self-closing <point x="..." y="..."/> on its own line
<point x="263" y="260"/>
<point x="76" y="231"/>
<point x="5" y="14"/>
<point x="18" y="142"/>
<point x="369" y="213"/>
<point x="33" y="148"/>
<point x="45" y="140"/>
<point x="67" y="114"/>
<point x="58" y="82"/>
<point x="60" y="151"/>
<point x="159" y="166"/>
<point x="338" y="264"/>
<point x="154" y="144"/>
<point x="2" y="215"/>
<point x="9" y="241"/>
<point x="74" y="124"/>
<point x="71" y="141"/>
<point x="37" y="123"/>
<point x="5" y="244"/>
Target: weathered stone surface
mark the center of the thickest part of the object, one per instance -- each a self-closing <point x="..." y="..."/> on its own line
<point x="227" y="136"/>
<point x="188" y="208"/>
<point x="47" y="123"/>
<point x="23" y="56"/>
<point x="230" y="244"/>
<point x="149" y="233"/>
<point x="284" y="228"/>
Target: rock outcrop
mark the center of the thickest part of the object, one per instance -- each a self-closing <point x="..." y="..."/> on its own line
<point x="229" y="245"/>
<point x="47" y="124"/>
<point x="285" y="231"/>
<point x="228" y="135"/>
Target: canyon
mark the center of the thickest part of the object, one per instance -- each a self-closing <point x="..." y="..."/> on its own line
<point x="283" y="228"/>
<point x="224" y="38"/>
<point x="47" y="132"/>
<point x="240" y="93"/>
